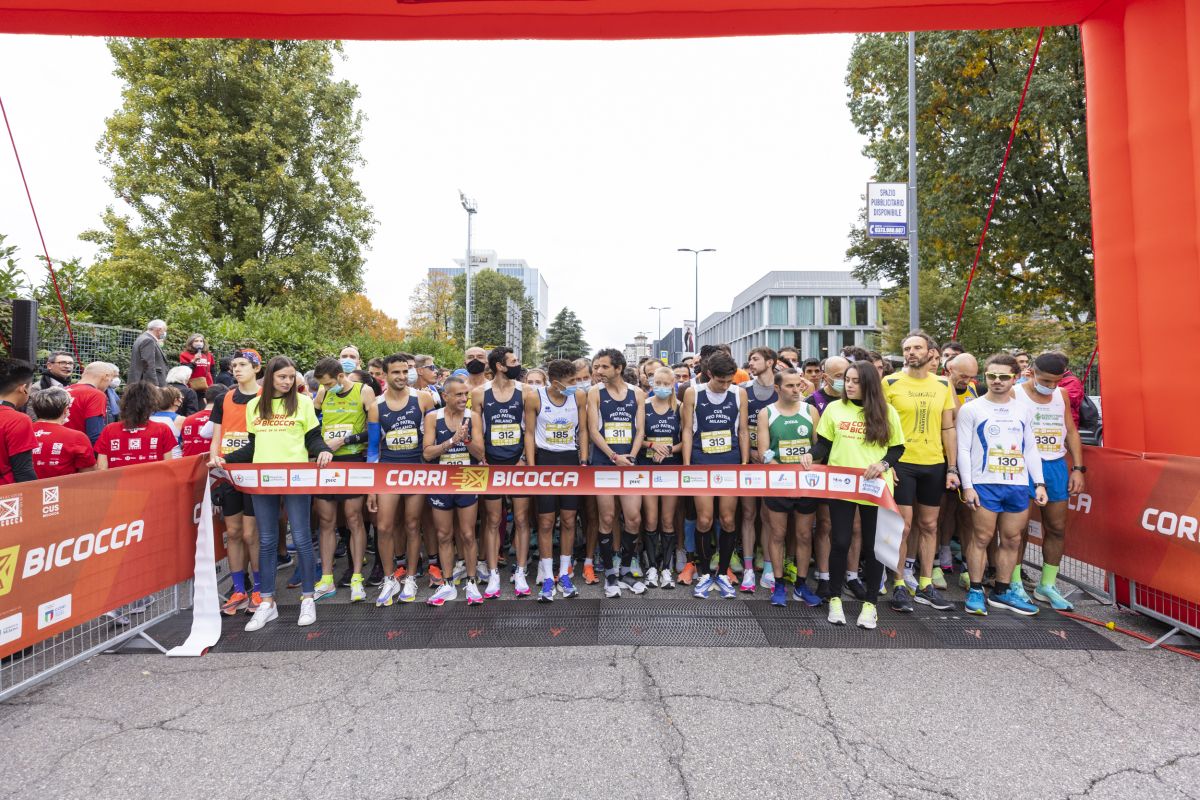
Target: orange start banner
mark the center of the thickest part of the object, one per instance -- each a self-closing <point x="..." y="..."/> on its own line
<point x="73" y="548"/>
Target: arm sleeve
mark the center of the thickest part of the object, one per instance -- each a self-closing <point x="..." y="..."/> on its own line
<point x="821" y="448"/>
<point x="92" y="427"/>
<point x="893" y="454"/>
<point x="374" y="434"/>
<point x="22" y="466"/>
<point x="314" y="442"/>
<point x="244" y="454"/>
<point x="966" y="420"/>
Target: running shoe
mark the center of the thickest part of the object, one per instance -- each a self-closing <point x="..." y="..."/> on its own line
<point x="357" y="593"/>
<point x="748" y="584"/>
<point x="703" y="586"/>
<point x="802" y="593"/>
<point x="566" y="586"/>
<point x="285" y="562"/>
<point x="946" y="559"/>
<point x="388" y="592"/>
<point x="1018" y="589"/>
<point x="546" y="595"/>
<point x="408" y="590"/>
<point x="759" y="564"/>
<point x="652" y="577"/>
<point x="492" y="590"/>
<point x="789" y="571"/>
<point x="725" y="587"/>
<point x="1049" y="594"/>
<point x="857" y="589"/>
<point x="975" y="603"/>
<point x="481" y="571"/>
<point x="612" y="588"/>
<point x="376" y="576"/>
<point x="868" y="618"/>
<point x="836" y="615"/>
<point x="323" y="590"/>
<point x="308" y="612"/>
<point x="635" y="566"/>
<point x="901" y="600"/>
<point x="730" y="577"/>
<point x="344" y="580"/>
<point x="521" y="587"/>
<point x="688" y="574"/>
<point x="911" y="582"/>
<point x="735" y="563"/>
<point x="823" y="590"/>
<point x="939" y="578"/>
<point x="445" y="593"/>
<point x="474" y="598"/>
<point x="964" y="580"/>
<point x="714" y="562"/>
<point x="1012" y="602"/>
<point x="435" y="576"/>
<point x="930" y="596"/>
<point x="630" y="582"/>
<point x="589" y="575"/>
<point x="255" y="602"/>
<point x="768" y="577"/>
<point x="459" y="572"/>
<point x="236" y="602"/>
<point x="779" y="595"/>
<point x="665" y="581"/>
<point x="340" y="550"/>
<point x="267" y="612"/>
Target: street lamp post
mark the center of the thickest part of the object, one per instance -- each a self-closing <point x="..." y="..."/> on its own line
<point x="696" y="321"/>
<point x="470" y="207"/>
<point x="660" y="309"/>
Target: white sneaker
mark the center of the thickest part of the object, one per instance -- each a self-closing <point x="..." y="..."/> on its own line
<point x="629" y="581"/>
<point x="521" y="587"/>
<point x="911" y="582"/>
<point x="408" y="592"/>
<point x="652" y="577"/>
<point x="493" y="585"/>
<point x="868" y="618"/>
<point x="665" y="580"/>
<point x="445" y="593"/>
<point x="768" y="578"/>
<point x="481" y="571"/>
<point x="748" y="582"/>
<point x="357" y="592"/>
<point x="635" y="566"/>
<point x="388" y="592"/>
<point x="460" y="572"/>
<point x="612" y="588"/>
<point x="308" y="612"/>
<point x="266" y="613"/>
<point x="474" y="598"/>
<point x="836" y="616"/>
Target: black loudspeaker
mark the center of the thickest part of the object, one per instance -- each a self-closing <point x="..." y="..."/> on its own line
<point x="25" y="331"/>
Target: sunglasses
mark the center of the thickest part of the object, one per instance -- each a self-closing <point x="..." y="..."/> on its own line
<point x="999" y="376"/>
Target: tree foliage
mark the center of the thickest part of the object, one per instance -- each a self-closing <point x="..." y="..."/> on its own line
<point x="431" y="307"/>
<point x="489" y="297"/>
<point x="1037" y="262"/>
<point x="564" y="337"/>
<point x="237" y="159"/>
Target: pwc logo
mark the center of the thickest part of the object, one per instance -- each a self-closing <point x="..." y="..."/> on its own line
<point x="8" y="567"/>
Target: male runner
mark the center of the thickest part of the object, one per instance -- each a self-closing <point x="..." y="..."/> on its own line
<point x="760" y="393"/>
<point x="790" y="356"/>
<point x="715" y="431"/>
<point x="553" y="414"/>
<point x="427" y="377"/>
<point x="1055" y="433"/>
<point x="350" y="427"/>
<point x="616" y="425"/>
<point x="812" y="371"/>
<point x="996" y="440"/>
<point x="928" y="467"/>
<point x="402" y="410"/>
<point x="475" y="361"/>
<point x="499" y="422"/>
<point x="955" y="516"/>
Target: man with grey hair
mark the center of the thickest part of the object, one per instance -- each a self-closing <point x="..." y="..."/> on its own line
<point x="89" y="406"/>
<point x="147" y="362"/>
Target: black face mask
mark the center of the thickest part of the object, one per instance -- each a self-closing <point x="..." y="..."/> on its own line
<point x="515" y="373"/>
<point x="476" y="367"/>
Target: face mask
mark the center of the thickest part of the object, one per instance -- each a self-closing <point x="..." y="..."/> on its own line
<point x="114" y="383"/>
<point x="162" y="337"/>
<point x="1044" y="391"/>
<point x="411" y="376"/>
<point x="838" y="386"/>
<point x="199" y="347"/>
<point x="663" y="392"/>
<point x="515" y="373"/>
<point x="348" y="365"/>
<point x="584" y="385"/>
<point x="476" y="367"/>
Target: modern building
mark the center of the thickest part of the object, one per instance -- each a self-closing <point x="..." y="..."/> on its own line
<point x="675" y="344"/>
<point x="814" y="311"/>
<point x="535" y="285"/>
<point x="638" y="350"/>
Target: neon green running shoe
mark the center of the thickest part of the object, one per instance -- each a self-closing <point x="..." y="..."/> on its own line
<point x="789" y="571"/>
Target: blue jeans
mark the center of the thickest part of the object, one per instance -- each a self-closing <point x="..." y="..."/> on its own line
<point x="266" y="513"/>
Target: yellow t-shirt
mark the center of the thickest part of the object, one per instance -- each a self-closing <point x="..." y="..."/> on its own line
<point x="920" y="403"/>
<point x="844" y="425"/>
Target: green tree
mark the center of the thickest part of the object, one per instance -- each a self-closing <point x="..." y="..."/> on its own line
<point x="564" y="337"/>
<point x="237" y="158"/>
<point x="1037" y="261"/>
<point x="489" y="296"/>
<point x="13" y="280"/>
<point x="431" y="307"/>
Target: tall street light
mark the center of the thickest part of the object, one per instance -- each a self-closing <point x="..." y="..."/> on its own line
<point x="696" y="322"/>
<point x="660" y="309"/>
<point x="470" y="207"/>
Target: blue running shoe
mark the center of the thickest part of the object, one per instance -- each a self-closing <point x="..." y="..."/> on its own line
<point x="1013" y="602"/>
<point x="566" y="587"/>
<point x="726" y="588"/>
<point x="546" y="595"/>
<point x="1049" y="594"/>
<point x="703" y="586"/>
<point x="805" y="595"/>
<point x="779" y="595"/>
<point x="975" y="603"/>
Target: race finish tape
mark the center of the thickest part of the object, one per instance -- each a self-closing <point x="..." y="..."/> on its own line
<point x="754" y="480"/>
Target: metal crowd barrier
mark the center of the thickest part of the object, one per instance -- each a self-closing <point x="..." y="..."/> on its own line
<point x="1182" y="615"/>
<point x="1080" y="575"/>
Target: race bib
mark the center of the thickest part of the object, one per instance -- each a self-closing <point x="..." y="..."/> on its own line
<point x="460" y="459"/>
<point x="505" y="435"/>
<point x="790" y="450"/>
<point x="653" y="440"/>
<point x="337" y="431"/>
<point x="713" y="442"/>
<point x="234" y="440"/>
<point x="618" y="433"/>
<point x="401" y="439"/>
<point x="561" y="433"/>
<point x="1049" y="440"/>
<point x="754" y="437"/>
<point x="1006" y="462"/>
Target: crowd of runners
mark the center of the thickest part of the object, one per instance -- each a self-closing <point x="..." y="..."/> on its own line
<point x="966" y="450"/>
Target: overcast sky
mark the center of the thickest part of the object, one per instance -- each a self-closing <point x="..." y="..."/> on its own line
<point x="594" y="161"/>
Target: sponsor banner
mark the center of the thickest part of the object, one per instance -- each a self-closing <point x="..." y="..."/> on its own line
<point x="1139" y="516"/>
<point x="75" y="547"/>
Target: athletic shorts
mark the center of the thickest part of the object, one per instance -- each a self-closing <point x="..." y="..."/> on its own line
<point x="449" y="502"/>
<point x="786" y="505"/>
<point x="553" y="503"/>
<point x="352" y="458"/>
<point x="999" y="498"/>
<point x="503" y="462"/>
<point x="1056" y="476"/>
<point x="231" y="500"/>
<point x="920" y="483"/>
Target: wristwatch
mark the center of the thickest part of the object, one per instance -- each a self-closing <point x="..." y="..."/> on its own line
<point x="1079" y="468"/>
<point x="1039" y="486"/>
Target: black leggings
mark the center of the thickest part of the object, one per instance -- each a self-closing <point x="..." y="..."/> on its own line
<point x="841" y="517"/>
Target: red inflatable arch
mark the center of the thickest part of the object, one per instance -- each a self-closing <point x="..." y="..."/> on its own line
<point x="1143" y="89"/>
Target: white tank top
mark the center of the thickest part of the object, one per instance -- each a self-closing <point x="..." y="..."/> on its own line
<point x="1049" y="424"/>
<point x="557" y="427"/>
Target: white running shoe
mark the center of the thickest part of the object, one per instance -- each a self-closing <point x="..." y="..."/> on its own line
<point x="768" y="577"/>
<point x="652" y="577"/>
<point x="836" y="615"/>
<point x="493" y="585"/>
<point x="460" y="572"/>
<point x="612" y="587"/>
<point x="445" y="593"/>
<point x="474" y="598"/>
<point x="481" y="571"/>
<point x="635" y="566"/>
<point x="267" y="612"/>
<point x="308" y="612"/>
<point x="748" y="583"/>
<point x="629" y="581"/>
<point x="868" y="618"/>
<point x="911" y="582"/>
<point x="666" y="580"/>
<point x="521" y="589"/>
<point x="408" y="592"/>
<point x="388" y="592"/>
<point x="357" y="592"/>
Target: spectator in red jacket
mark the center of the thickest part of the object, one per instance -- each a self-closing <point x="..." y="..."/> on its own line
<point x="197" y="356"/>
<point x="60" y="450"/>
<point x="1075" y="392"/>
<point x="16" y="429"/>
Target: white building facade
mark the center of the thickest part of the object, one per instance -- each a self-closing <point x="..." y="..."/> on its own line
<point x="535" y="285"/>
